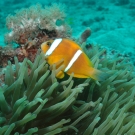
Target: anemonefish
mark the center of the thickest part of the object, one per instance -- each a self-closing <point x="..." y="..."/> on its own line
<point x="75" y="60"/>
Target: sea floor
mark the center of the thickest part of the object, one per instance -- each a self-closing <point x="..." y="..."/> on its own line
<point x="112" y="22"/>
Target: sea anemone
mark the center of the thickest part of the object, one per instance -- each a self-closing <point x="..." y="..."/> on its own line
<point x="34" y="101"/>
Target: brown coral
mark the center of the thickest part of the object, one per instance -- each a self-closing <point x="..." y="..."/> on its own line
<point x="6" y="53"/>
<point x="29" y="28"/>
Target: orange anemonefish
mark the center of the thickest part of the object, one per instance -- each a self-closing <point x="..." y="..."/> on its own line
<point x="75" y="60"/>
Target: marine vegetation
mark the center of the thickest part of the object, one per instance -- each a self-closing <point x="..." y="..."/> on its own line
<point x="34" y="101"/>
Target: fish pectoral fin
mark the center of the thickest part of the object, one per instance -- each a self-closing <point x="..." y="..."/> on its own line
<point x="60" y="74"/>
<point x="57" y="64"/>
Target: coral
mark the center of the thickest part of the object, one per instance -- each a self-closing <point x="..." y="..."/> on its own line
<point x="6" y="53"/>
<point x="83" y="37"/>
<point x="30" y="27"/>
<point x="33" y="101"/>
<point x="36" y="23"/>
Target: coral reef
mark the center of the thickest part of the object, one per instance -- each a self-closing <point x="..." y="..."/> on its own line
<point x="6" y="53"/>
<point x="30" y="27"/>
<point x="36" y="23"/>
<point x="83" y="37"/>
<point x="33" y="101"/>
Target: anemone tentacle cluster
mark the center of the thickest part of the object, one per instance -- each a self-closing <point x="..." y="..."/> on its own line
<point x="33" y="101"/>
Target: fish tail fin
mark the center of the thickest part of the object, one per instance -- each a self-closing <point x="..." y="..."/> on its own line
<point x="98" y="75"/>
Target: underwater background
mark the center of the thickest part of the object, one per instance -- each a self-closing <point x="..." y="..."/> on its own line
<point x="112" y="22"/>
<point x="33" y="101"/>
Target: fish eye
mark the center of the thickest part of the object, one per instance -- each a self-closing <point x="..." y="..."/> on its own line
<point x="48" y="43"/>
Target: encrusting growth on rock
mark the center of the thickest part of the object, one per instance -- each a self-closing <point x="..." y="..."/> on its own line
<point x="83" y="37"/>
<point x="29" y="28"/>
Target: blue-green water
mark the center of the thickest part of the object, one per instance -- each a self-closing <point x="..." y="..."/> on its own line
<point x="112" y="22"/>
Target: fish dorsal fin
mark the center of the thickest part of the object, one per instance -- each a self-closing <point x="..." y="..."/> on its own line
<point x="72" y="43"/>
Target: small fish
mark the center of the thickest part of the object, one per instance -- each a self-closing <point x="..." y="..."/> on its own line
<point x="75" y="60"/>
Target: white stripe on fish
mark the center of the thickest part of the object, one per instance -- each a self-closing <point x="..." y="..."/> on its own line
<point x="53" y="46"/>
<point x="74" y="58"/>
